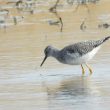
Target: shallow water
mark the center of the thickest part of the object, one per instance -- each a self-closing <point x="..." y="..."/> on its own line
<point x="55" y="86"/>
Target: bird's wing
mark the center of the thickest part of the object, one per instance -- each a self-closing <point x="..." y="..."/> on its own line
<point x="80" y="48"/>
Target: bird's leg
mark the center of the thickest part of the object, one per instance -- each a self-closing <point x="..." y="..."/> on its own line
<point x="83" y="71"/>
<point x="90" y="70"/>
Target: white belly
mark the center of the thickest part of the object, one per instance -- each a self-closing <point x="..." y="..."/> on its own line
<point x="85" y="58"/>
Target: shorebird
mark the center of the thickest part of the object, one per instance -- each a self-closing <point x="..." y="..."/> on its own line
<point x="76" y="54"/>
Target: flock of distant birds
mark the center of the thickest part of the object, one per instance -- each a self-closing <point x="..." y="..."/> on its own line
<point x="30" y="6"/>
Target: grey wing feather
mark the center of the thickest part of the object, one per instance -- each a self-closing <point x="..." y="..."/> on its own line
<point x="80" y="48"/>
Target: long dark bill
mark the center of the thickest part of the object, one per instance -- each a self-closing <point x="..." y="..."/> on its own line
<point x="43" y="61"/>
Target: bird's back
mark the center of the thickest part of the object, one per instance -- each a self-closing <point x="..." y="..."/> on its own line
<point x="81" y="47"/>
<point x="84" y="47"/>
<point x="81" y="51"/>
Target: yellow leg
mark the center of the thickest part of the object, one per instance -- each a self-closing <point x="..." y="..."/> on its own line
<point x="83" y="71"/>
<point x="90" y="70"/>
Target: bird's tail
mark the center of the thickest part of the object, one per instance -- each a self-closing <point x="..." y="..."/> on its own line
<point x="99" y="42"/>
<point x="106" y="38"/>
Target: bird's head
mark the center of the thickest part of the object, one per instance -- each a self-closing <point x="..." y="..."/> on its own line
<point x="48" y="52"/>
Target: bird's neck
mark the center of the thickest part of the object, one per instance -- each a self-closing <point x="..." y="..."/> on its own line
<point x="55" y="53"/>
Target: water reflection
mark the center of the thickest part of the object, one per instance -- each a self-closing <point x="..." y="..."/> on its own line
<point x="78" y="92"/>
<point x="76" y="86"/>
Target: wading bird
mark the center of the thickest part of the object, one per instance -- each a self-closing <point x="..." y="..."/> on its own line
<point x="76" y="54"/>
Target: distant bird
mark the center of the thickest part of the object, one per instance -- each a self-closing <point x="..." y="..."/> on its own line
<point x="76" y="54"/>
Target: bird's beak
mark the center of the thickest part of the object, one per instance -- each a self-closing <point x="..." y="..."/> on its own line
<point x="43" y="61"/>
